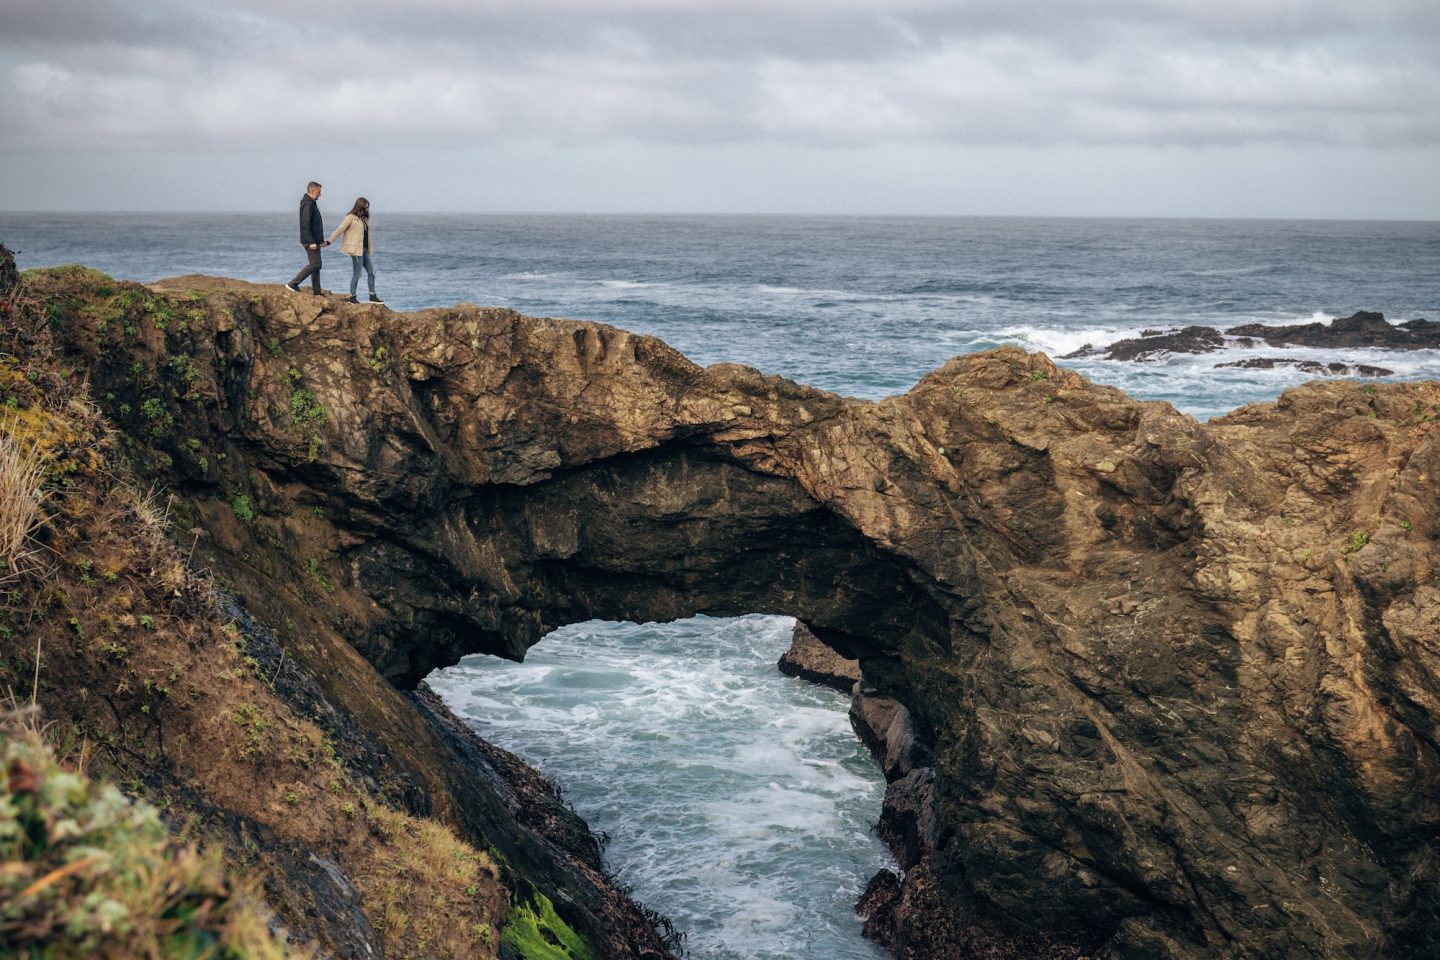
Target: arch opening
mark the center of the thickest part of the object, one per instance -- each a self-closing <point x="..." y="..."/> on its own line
<point x="737" y="801"/>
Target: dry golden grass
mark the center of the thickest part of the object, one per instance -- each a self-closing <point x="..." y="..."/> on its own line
<point x="21" y="473"/>
<point x="428" y="889"/>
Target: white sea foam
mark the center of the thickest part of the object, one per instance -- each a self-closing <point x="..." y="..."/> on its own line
<point x="1058" y="341"/>
<point x="738" y="800"/>
<point x="627" y="284"/>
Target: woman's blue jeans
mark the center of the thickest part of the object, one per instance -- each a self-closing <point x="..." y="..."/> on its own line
<point x="355" y="273"/>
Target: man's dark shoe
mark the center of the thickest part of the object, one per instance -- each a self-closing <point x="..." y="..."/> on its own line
<point x="375" y="299"/>
<point x="351" y="299"/>
<point x="292" y="288"/>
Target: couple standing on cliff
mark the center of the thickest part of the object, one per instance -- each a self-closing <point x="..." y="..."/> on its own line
<point x="358" y="242"/>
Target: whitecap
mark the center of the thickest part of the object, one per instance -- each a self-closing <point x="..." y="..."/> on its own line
<point x="1059" y="341"/>
<point x="627" y="284"/>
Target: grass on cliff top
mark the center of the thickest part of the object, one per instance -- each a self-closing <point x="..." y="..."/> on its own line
<point x="89" y="872"/>
<point x="137" y="670"/>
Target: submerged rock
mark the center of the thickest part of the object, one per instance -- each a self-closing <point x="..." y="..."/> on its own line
<point x="1170" y="689"/>
<point x="1332" y="369"/>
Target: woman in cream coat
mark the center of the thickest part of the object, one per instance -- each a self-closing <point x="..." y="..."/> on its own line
<point x="359" y="243"/>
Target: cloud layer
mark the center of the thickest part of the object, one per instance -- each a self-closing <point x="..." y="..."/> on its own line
<point x="271" y="75"/>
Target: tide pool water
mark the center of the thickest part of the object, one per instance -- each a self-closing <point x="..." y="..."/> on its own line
<point x="737" y="801"/>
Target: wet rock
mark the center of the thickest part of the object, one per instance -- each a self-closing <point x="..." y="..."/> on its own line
<point x="1362" y="329"/>
<point x="1333" y="369"/>
<point x="1153" y="345"/>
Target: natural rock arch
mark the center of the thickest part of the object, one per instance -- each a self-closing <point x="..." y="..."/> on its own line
<point x="1179" y="680"/>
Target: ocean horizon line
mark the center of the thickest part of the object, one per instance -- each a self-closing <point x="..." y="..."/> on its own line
<point x="739" y="215"/>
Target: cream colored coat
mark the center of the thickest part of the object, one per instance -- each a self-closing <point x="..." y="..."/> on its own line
<point x="354" y="229"/>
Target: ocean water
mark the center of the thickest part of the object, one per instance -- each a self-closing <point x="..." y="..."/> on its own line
<point x="736" y="800"/>
<point x="861" y="306"/>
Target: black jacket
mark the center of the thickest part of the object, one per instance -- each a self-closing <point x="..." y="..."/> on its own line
<point x="312" y="228"/>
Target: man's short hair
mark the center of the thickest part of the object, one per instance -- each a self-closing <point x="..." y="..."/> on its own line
<point x="313" y="185"/>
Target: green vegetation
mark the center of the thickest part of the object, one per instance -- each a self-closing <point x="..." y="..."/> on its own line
<point x="153" y="409"/>
<point x="534" y="931"/>
<point x="1356" y="543"/>
<point x="311" y="566"/>
<point x="304" y="408"/>
<point x="241" y="505"/>
<point x="89" y="872"/>
<point x="148" y="682"/>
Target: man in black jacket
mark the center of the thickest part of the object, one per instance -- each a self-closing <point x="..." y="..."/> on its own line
<point x="312" y="238"/>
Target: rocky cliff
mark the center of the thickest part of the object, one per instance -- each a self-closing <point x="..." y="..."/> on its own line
<point x="1166" y="689"/>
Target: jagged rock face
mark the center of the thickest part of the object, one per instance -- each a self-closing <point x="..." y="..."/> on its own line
<point x="1178" y="680"/>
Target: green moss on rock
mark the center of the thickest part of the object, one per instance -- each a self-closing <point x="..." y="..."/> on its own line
<point x="535" y="932"/>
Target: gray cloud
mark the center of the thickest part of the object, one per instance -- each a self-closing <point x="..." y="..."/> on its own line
<point x="269" y="74"/>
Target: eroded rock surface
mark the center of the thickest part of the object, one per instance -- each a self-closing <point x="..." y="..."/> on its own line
<point x="1174" y="684"/>
<point x="811" y="659"/>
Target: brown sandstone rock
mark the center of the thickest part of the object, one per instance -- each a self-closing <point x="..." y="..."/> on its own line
<point x="810" y="659"/>
<point x="1176" y="684"/>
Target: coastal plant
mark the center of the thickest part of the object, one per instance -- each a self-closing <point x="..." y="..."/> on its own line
<point x="241" y="505"/>
<point x="1356" y="543"/>
<point x="423" y="883"/>
<point x="89" y="872"/>
<point x="304" y="408"/>
<point x="256" y="728"/>
<point x="313" y="571"/>
<point x="153" y="409"/>
<point x="184" y="367"/>
<point x="159" y="311"/>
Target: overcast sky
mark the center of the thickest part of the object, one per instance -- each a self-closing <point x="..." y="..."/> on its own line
<point x="1289" y="108"/>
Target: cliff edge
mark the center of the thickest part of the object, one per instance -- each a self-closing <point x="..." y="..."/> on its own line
<point x="1169" y="689"/>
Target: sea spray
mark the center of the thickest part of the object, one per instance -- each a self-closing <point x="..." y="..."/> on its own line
<point x="737" y="801"/>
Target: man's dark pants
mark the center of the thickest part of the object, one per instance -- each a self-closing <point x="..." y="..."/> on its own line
<point x="312" y="270"/>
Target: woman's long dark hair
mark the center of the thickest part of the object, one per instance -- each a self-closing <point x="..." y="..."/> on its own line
<point x="361" y="208"/>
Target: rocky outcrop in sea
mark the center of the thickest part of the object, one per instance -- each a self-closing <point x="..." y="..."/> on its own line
<point x="1364" y="329"/>
<point x="1144" y="687"/>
